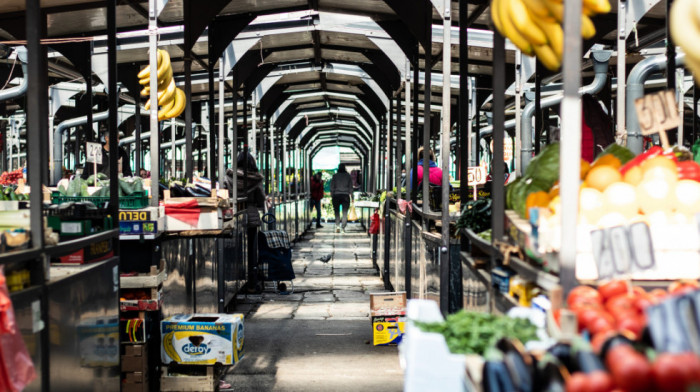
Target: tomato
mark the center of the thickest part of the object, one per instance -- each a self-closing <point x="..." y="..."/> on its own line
<point x="675" y="372"/>
<point x="578" y="382"/>
<point x="621" y="303"/>
<point x="683" y="286"/>
<point x="613" y="288"/>
<point x="630" y="370"/>
<point x="641" y="303"/>
<point x="600" y="381"/>
<point x="586" y="316"/>
<point x="599" y="339"/>
<point x="583" y="294"/>
<point x="600" y="324"/>
<point x="631" y="324"/>
<point x="659" y="294"/>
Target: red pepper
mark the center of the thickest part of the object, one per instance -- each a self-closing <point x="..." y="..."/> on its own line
<point x="636" y="161"/>
<point x="688" y="170"/>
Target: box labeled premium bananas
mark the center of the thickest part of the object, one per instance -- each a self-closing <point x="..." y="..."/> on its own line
<point x="202" y="339"/>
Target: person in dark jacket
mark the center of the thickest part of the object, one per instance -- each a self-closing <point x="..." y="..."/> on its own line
<point x="124" y="167"/>
<point x="316" y="196"/>
<point x="341" y="191"/>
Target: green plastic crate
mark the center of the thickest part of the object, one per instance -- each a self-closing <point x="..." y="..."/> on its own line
<point x="134" y="201"/>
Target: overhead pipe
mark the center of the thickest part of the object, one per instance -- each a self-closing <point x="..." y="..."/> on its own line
<point x="601" y="59"/>
<point x="20" y="90"/>
<point x="635" y="89"/>
<point x="56" y="172"/>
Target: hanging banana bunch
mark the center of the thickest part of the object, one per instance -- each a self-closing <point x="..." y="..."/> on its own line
<point x="685" y="31"/>
<point x="171" y="99"/>
<point x="534" y="26"/>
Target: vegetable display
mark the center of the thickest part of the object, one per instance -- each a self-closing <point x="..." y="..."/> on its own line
<point x="476" y="215"/>
<point x="472" y="332"/>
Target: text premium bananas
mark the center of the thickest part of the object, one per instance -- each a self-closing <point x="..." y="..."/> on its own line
<point x="534" y="26"/>
<point x="685" y="30"/>
<point x="171" y="99"/>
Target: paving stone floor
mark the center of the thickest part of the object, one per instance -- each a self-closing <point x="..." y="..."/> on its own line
<point x="318" y="338"/>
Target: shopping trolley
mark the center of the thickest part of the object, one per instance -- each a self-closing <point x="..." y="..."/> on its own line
<point x="275" y="258"/>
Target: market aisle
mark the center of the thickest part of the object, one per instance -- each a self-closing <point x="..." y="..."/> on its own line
<point x="320" y="337"/>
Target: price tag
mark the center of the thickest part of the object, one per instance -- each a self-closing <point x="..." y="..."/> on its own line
<point x="94" y="152"/>
<point x="657" y="113"/>
<point x="476" y="175"/>
<point x="622" y="250"/>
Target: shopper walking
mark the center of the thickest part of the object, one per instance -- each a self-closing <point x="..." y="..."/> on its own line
<point x="341" y="190"/>
<point x="316" y="196"/>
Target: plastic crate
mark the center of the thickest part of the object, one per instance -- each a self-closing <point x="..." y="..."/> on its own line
<point x="134" y="201"/>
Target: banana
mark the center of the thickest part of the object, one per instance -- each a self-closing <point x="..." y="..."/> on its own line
<point x="522" y="22"/>
<point x="165" y="109"/>
<point x="554" y="33"/>
<point x="179" y="104"/>
<point x="168" y="93"/>
<point x="511" y="32"/>
<point x="165" y="66"/>
<point x="547" y="57"/>
<point x="169" y="348"/>
<point x="147" y="106"/>
<point x="684" y="30"/>
<point x="597" y="6"/>
<point x="146" y="91"/>
<point x="146" y="71"/>
<point x="537" y="8"/>
<point x="587" y="27"/>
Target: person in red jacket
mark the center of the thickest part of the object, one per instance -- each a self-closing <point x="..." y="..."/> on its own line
<point x="316" y="196"/>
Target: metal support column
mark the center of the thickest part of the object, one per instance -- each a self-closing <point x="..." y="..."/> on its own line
<point x="222" y="124"/>
<point x="189" y="162"/>
<point x="427" y="100"/>
<point x="497" y="194"/>
<point x="112" y="125"/>
<point x="138" y="159"/>
<point x="538" y="106"/>
<point x="387" y="209"/>
<point x="153" y="60"/>
<point x="399" y="152"/>
<point x="569" y="161"/>
<point x="211" y="146"/>
<point x="445" y="158"/>
<point x="463" y="107"/>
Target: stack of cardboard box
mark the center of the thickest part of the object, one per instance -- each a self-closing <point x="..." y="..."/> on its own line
<point x="388" y="314"/>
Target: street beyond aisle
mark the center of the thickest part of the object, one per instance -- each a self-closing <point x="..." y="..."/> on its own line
<point x="318" y="338"/>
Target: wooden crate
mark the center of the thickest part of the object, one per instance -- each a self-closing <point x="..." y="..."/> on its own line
<point x="185" y="383"/>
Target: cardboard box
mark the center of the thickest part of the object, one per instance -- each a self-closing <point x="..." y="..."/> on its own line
<point x="146" y="227"/>
<point x="202" y="339"/>
<point x="98" y="342"/>
<point x="387" y="304"/>
<point x="209" y="219"/>
<point x="388" y="330"/>
<point x="135" y="359"/>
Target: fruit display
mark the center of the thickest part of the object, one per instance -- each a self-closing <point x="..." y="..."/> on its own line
<point x="535" y="26"/>
<point x="10" y="178"/>
<point x="618" y="188"/>
<point x="9" y="193"/>
<point x="684" y="23"/>
<point x="171" y="99"/>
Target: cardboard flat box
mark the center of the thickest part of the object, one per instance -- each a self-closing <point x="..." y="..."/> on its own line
<point x="387" y="304"/>
<point x="98" y="342"/>
<point x="136" y="377"/>
<point x="135" y="359"/>
<point x="94" y="252"/>
<point x="388" y="330"/>
<point x="202" y="339"/>
<point x="209" y="219"/>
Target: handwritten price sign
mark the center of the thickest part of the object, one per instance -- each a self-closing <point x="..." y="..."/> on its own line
<point x="476" y="175"/>
<point x="657" y="113"/>
<point x="94" y="152"/>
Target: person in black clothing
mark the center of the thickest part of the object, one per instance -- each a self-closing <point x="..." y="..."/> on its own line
<point x="123" y="168"/>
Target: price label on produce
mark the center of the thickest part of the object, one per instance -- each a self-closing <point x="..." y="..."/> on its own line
<point x="622" y="250"/>
<point x="94" y="152"/>
<point x="476" y="175"/>
<point x="657" y="113"/>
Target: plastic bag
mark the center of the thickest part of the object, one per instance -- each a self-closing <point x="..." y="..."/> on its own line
<point x="374" y="224"/>
<point x="352" y="214"/>
<point x="16" y="367"/>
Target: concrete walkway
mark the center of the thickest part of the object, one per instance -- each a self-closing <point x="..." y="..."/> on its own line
<point x="319" y="338"/>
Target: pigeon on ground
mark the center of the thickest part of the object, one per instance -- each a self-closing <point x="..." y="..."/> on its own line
<point x="326" y="258"/>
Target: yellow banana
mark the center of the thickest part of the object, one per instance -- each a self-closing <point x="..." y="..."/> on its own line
<point x="146" y="71"/>
<point x="495" y="16"/>
<point x="146" y="91"/>
<point x="554" y="33"/>
<point x="597" y="6"/>
<point x="587" y="27"/>
<point x="547" y="57"/>
<point x="169" y="348"/>
<point x="556" y="9"/>
<point x="511" y="32"/>
<point x="147" y="106"/>
<point x="684" y="30"/>
<point x="537" y="8"/>
<point x="521" y="20"/>
<point x="168" y="93"/>
<point x="180" y="101"/>
<point x="165" y="109"/>
<point x="165" y="66"/>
